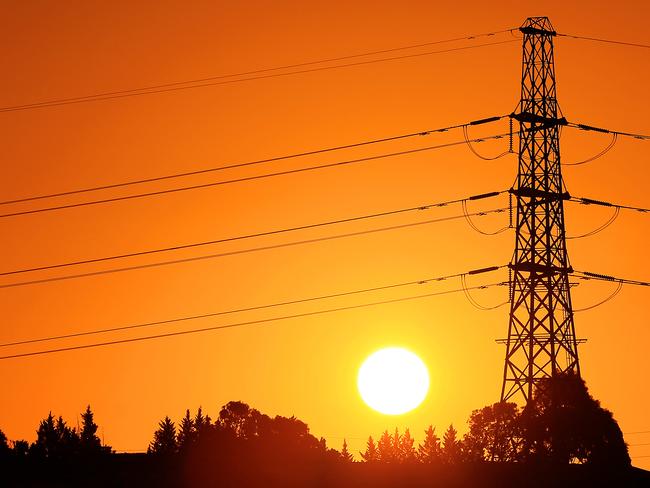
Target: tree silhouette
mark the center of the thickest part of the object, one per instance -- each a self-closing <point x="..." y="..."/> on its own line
<point x="4" y="445"/>
<point x="68" y="439"/>
<point x="564" y="423"/>
<point x="201" y="423"/>
<point x="493" y="433"/>
<point x="54" y="439"/>
<point x="371" y="454"/>
<point x="396" y="445"/>
<point x="46" y="438"/>
<point x="186" y="432"/>
<point x="164" y="439"/>
<point x="406" y="447"/>
<point x="20" y="448"/>
<point x="243" y="421"/>
<point x="385" y="448"/>
<point x="89" y="442"/>
<point x="430" y="450"/>
<point x="451" y="447"/>
<point x="345" y="454"/>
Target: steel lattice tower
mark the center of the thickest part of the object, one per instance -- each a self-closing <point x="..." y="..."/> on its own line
<point x="541" y="336"/>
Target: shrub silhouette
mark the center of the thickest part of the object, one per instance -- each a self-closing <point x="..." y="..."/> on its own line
<point x="494" y="434"/>
<point x="565" y="424"/>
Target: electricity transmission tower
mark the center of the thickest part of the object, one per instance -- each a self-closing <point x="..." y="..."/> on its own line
<point x="541" y="335"/>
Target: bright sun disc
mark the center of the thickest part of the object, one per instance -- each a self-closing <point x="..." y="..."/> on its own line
<point x="393" y="381"/>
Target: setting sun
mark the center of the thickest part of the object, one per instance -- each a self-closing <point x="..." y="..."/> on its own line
<point x="393" y="381"/>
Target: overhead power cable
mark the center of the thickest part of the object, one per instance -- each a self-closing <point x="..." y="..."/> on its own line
<point x="608" y="41"/>
<point x="586" y="275"/>
<point x="601" y="203"/>
<point x="239" y="324"/>
<point x="252" y="163"/>
<point x="240" y="180"/>
<point x="243" y="251"/>
<point x="619" y="287"/>
<point x="591" y="128"/>
<point x="252" y="235"/>
<point x="480" y="156"/>
<point x="253" y="308"/>
<point x="471" y="223"/>
<point x="600" y="154"/>
<point x="259" y="74"/>
<point x="600" y="228"/>
<point x="472" y="300"/>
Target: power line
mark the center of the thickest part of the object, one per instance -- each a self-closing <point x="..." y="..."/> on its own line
<point x="602" y="203"/>
<point x="251" y="236"/>
<point x="619" y="287"/>
<point x="249" y="309"/>
<point x="600" y="154"/>
<point x="244" y="179"/>
<point x="244" y="251"/>
<point x="240" y="324"/>
<point x="480" y="156"/>
<point x="474" y="227"/>
<point x="201" y="83"/>
<point x="472" y="300"/>
<point x="591" y="128"/>
<point x="586" y="275"/>
<point x="600" y="228"/>
<point x="608" y="41"/>
<point x="253" y="163"/>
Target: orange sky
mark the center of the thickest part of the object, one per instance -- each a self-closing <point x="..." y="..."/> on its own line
<point x="305" y="367"/>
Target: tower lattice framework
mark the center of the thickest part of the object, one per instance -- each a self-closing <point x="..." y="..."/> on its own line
<point x="541" y="335"/>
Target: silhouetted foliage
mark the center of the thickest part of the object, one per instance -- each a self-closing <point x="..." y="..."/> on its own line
<point x="494" y="434"/>
<point x="245" y="447"/>
<point x="385" y="448"/>
<point x="186" y="432"/>
<point x="564" y="424"/>
<point x="89" y="442"/>
<point x="54" y="439"/>
<point x="345" y="453"/>
<point x="451" y="446"/>
<point x="407" y="452"/>
<point x="20" y="449"/>
<point x="201" y="423"/>
<point x="4" y="445"/>
<point x="430" y="450"/>
<point x="164" y="439"/>
<point x="371" y="454"/>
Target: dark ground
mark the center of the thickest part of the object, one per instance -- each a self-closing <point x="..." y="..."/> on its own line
<point x="139" y="470"/>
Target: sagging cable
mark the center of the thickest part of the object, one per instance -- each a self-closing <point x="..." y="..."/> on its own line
<point x="472" y="301"/>
<point x="601" y="228"/>
<point x="608" y="148"/>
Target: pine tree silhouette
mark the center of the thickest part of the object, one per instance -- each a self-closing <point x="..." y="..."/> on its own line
<point x="345" y="454"/>
<point x="430" y="450"/>
<point x="406" y="447"/>
<point x="385" y="448"/>
<point x="451" y="446"/>
<point x="186" y="431"/>
<point x="164" y="439"/>
<point x="396" y="445"/>
<point x="371" y="454"/>
<point x="54" y="439"/>
<point x="88" y="440"/>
